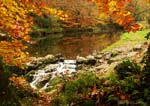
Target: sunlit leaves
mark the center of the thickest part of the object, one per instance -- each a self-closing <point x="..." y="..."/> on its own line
<point x="18" y="81"/>
<point x="116" y="10"/>
<point x="16" y="23"/>
<point x="55" y="12"/>
<point x="12" y="52"/>
<point x="13" y="18"/>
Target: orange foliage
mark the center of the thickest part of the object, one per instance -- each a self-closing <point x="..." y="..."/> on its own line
<point x="116" y="9"/>
<point x="16" y="23"/>
<point x="18" y="81"/>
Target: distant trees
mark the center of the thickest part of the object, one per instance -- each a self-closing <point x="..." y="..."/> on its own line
<point x="81" y="12"/>
<point x="141" y="11"/>
<point x="116" y="11"/>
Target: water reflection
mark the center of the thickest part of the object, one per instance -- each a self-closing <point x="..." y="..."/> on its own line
<point x="71" y="45"/>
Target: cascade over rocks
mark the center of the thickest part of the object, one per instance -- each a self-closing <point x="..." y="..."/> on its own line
<point x="43" y="70"/>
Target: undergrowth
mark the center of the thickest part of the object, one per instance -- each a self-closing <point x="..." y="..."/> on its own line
<point x="127" y="86"/>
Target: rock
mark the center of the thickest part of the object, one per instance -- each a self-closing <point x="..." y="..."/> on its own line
<point x="40" y="61"/>
<point x="61" y="59"/>
<point x="117" y="58"/>
<point x="90" y="57"/>
<point x="108" y="56"/>
<point x="42" y="83"/>
<point x="49" y="56"/>
<point x="99" y="56"/>
<point x="101" y="61"/>
<point x="58" y="55"/>
<point x="114" y="54"/>
<point x="120" y="50"/>
<point x="131" y="54"/>
<point x="91" y="60"/>
<point x="49" y="59"/>
<point x="79" y="67"/>
<point x="104" y="66"/>
<point x="137" y="48"/>
<point x="29" y="76"/>
<point x="81" y="60"/>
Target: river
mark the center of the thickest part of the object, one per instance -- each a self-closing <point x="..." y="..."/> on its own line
<point x="71" y="45"/>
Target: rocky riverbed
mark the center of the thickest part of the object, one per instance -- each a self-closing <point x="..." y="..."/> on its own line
<point x="42" y="70"/>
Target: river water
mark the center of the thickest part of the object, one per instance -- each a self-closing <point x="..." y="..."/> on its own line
<point x="71" y="45"/>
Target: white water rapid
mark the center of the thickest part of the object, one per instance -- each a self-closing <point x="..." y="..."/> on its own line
<point x="51" y="71"/>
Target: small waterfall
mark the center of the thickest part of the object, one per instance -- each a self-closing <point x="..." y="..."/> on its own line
<point x="51" y="71"/>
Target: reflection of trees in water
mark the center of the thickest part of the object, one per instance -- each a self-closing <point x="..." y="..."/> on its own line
<point x="71" y="46"/>
<point x="45" y="45"/>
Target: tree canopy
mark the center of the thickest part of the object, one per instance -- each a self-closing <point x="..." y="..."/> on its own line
<point x="16" y="22"/>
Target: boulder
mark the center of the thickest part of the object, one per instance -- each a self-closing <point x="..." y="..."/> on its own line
<point x="49" y="59"/>
<point x="137" y="47"/>
<point x="91" y="60"/>
<point x="114" y="53"/>
<point x="81" y="60"/>
<point x="99" y="56"/>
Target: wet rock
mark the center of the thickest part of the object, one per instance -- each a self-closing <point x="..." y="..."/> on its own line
<point x="38" y="62"/>
<point x="61" y="59"/>
<point x="80" y="66"/>
<point x="42" y="83"/>
<point x="99" y="56"/>
<point x="114" y="54"/>
<point x="81" y="60"/>
<point x="91" y="60"/>
<point x="58" y="55"/>
<point x="49" y="59"/>
<point x="29" y="76"/>
<point x="49" y="56"/>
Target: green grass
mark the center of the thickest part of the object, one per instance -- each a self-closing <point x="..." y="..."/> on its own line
<point x="129" y="39"/>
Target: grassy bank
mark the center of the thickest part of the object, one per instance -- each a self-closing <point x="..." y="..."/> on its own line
<point x="129" y="39"/>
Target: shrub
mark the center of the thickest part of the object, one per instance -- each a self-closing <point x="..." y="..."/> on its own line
<point x="127" y="68"/>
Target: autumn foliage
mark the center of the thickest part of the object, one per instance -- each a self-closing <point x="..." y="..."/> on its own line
<point x="16" y="23"/>
<point x="116" y="9"/>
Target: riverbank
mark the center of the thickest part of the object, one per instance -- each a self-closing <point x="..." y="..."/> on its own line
<point x="120" y="76"/>
<point x="130" y="46"/>
<point x="130" y="38"/>
<point x="95" y="77"/>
